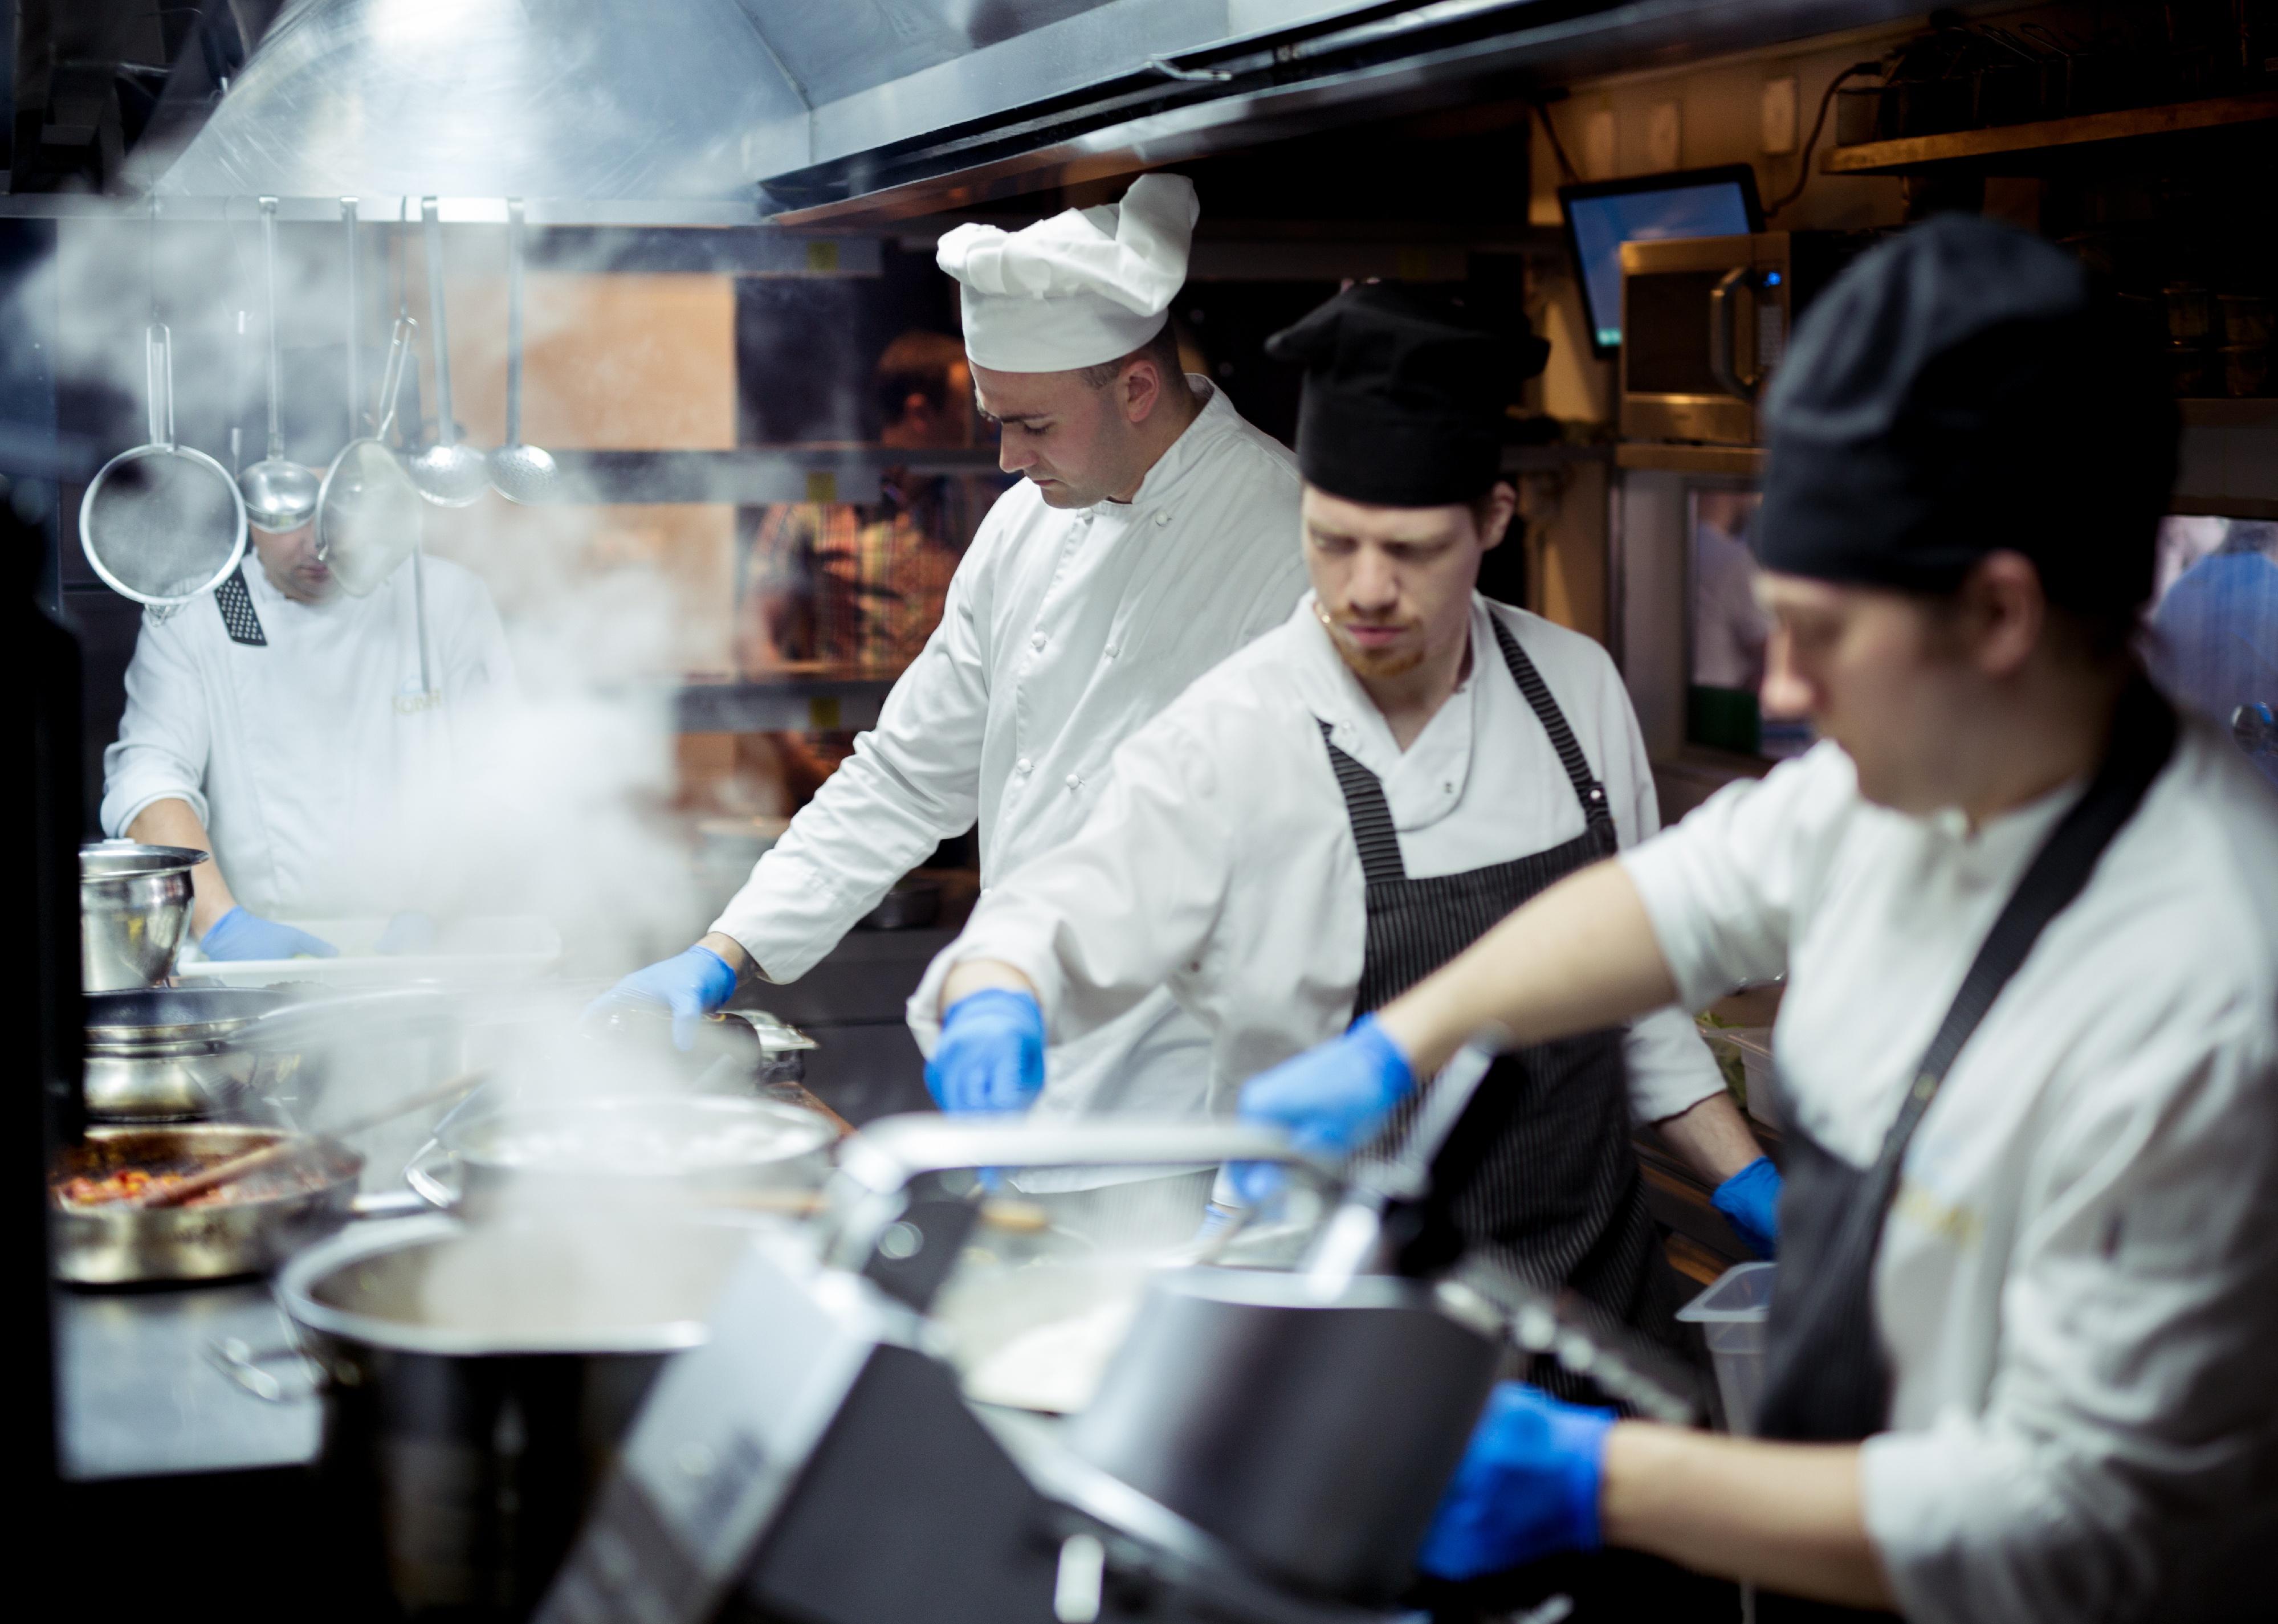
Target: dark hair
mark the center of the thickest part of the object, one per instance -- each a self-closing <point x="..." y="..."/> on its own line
<point x="917" y="363"/>
<point x="1162" y="350"/>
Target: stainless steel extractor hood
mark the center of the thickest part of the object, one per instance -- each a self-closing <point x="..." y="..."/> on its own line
<point x="674" y="102"/>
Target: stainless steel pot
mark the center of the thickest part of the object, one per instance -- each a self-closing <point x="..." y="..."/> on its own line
<point x="135" y="904"/>
<point x="1313" y="1438"/>
<point x="169" y="1053"/>
<point x="115" y="1244"/>
<point x="477" y="1381"/>
<point x="635" y="1152"/>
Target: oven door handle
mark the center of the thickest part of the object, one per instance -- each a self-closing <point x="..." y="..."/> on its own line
<point x="1723" y="303"/>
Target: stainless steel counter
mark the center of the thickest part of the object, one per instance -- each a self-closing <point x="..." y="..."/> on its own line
<point x="140" y="1397"/>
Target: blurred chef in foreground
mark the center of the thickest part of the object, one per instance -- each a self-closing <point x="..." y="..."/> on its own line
<point x="1349" y="802"/>
<point x="1148" y="541"/>
<point x="283" y="728"/>
<point x="2020" y="1360"/>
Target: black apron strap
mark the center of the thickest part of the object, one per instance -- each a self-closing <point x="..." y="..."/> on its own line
<point x="1371" y="815"/>
<point x="1587" y="790"/>
<point x="234" y="599"/>
<point x="1826" y="1379"/>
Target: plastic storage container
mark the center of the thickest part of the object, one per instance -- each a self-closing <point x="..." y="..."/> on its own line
<point x="1734" y="1315"/>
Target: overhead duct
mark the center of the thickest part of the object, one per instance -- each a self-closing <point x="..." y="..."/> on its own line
<point x="590" y="100"/>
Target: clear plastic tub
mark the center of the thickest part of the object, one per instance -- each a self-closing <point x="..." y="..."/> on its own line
<point x="1733" y="1316"/>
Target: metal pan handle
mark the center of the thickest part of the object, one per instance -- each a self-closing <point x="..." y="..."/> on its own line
<point x="424" y="1173"/>
<point x="245" y="1368"/>
<point x="160" y="364"/>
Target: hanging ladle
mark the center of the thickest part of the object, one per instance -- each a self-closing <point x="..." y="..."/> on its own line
<point x="280" y="495"/>
<point x="519" y="473"/>
<point x="447" y="474"/>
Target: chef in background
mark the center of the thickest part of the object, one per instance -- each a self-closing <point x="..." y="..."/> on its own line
<point x="283" y="727"/>
<point x="1149" y="539"/>
<point x="1352" y="800"/>
<point x="2214" y="637"/>
<point x="2020" y="1350"/>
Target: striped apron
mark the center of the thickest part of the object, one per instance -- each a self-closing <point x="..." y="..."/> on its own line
<point x="1539" y="1172"/>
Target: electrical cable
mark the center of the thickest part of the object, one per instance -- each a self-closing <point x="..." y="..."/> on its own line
<point x="1565" y="165"/>
<point x="1803" y="173"/>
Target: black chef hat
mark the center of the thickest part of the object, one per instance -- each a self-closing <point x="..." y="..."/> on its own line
<point x="1958" y="390"/>
<point x="1405" y="395"/>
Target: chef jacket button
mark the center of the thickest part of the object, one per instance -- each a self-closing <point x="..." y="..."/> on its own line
<point x="1073" y="782"/>
<point x="1111" y="649"/>
<point x="1162" y="519"/>
<point x="1036" y="640"/>
<point x="1023" y="765"/>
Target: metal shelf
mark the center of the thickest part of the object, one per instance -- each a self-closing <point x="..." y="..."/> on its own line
<point x="1894" y="157"/>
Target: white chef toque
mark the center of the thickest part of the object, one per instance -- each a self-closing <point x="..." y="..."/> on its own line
<point x="1085" y="287"/>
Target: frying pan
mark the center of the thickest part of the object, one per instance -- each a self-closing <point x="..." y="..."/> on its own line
<point x="162" y="523"/>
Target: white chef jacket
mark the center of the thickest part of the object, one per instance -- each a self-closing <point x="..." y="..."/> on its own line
<point x="1220" y="862"/>
<point x="1065" y="631"/>
<point x="2077" y="1287"/>
<point x="301" y="758"/>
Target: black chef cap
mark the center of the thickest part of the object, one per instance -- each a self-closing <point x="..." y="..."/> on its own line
<point x="1958" y="390"/>
<point x="1405" y="395"/>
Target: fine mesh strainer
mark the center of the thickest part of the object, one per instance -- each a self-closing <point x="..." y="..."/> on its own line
<point x="163" y="523"/>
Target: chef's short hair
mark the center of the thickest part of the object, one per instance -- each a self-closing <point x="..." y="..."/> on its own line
<point x="917" y="363"/>
<point x="1162" y="350"/>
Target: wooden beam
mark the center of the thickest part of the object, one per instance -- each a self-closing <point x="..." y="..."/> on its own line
<point x="1890" y="158"/>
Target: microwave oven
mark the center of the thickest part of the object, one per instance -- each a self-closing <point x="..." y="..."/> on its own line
<point x="1705" y="321"/>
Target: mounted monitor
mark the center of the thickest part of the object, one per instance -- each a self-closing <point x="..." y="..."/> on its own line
<point x="1602" y="214"/>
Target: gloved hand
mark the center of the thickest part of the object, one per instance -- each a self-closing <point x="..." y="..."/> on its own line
<point x="1528" y="1486"/>
<point x="990" y="1057"/>
<point x="1749" y="1200"/>
<point x="241" y="935"/>
<point x="691" y="984"/>
<point x="409" y="932"/>
<point x="1331" y="1098"/>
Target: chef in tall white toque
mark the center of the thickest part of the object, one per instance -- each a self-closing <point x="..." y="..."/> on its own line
<point x="1149" y="540"/>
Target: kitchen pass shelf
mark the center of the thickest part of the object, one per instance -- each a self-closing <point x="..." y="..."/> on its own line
<point x="1892" y="157"/>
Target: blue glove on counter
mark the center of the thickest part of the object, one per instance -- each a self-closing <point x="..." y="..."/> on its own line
<point x="1528" y="1486"/>
<point x="991" y="1053"/>
<point x="1330" y="1098"/>
<point x="241" y="935"/>
<point x="1749" y="1200"/>
<point x="691" y="984"/>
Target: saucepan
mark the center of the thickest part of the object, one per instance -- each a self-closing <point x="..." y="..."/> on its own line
<point x="632" y="1152"/>
<point x="133" y="906"/>
<point x="171" y="1054"/>
<point x="477" y="1380"/>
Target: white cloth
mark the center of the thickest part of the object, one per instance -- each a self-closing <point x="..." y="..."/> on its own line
<point x="1065" y="631"/>
<point x="301" y="756"/>
<point x="2077" y="1287"/>
<point x="1220" y="860"/>
<point x="1085" y="287"/>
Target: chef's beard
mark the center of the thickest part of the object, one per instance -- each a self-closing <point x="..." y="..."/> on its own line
<point x="1393" y="662"/>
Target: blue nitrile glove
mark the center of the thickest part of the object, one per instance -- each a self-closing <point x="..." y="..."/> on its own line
<point x="1528" y="1486"/>
<point x="409" y="932"/>
<point x="1330" y="1098"/>
<point x="1749" y="1200"/>
<point x="691" y="984"/>
<point x="241" y="935"/>
<point x="990" y="1057"/>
